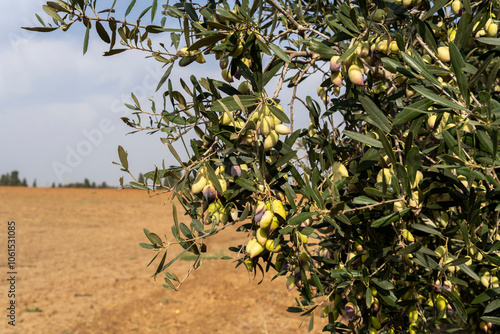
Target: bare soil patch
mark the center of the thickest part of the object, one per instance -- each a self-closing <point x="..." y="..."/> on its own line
<point x="80" y="264"/>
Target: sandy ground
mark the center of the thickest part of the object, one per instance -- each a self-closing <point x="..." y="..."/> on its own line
<point x="80" y="270"/>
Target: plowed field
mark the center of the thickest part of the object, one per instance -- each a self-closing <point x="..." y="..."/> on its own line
<point x="80" y="270"/>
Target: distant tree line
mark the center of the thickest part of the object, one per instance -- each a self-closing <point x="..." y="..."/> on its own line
<point x="12" y="179"/>
<point x="86" y="184"/>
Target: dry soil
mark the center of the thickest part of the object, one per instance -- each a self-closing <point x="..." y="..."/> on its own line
<point x="80" y="270"/>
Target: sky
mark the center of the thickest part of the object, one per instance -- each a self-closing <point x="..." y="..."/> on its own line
<point x="61" y="109"/>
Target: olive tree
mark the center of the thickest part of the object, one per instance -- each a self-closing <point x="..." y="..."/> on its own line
<point x="382" y="209"/>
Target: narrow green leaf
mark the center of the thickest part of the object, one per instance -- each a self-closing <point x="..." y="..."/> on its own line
<point x="311" y="324"/>
<point x="160" y="265"/>
<point x="186" y="231"/>
<point x="426" y="229"/>
<point x="320" y="47"/>
<point x="209" y="40"/>
<point x="486" y="295"/>
<point x="387" y="148"/>
<point x="437" y="5"/>
<point x="363" y="200"/>
<point x="52" y="13"/>
<point x="410" y="249"/>
<point x="458" y="64"/>
<point x="420" y="68"/>
<point x="245" y="184"/>
<point x="138" y="186"/>
<point x="451" y="142"/>
<point x="386" y="285"/>
<point x="394" y="65"/>
<point x="164" y="77"/>
<point x="384" y="221"/>
<point x="40" y="29"/>
<point x="363" y="139"/>
<point x="437" y="98"/>
<point x="103" y="34"/>
<point x="130" y="6"/>
<point x="172" y="150"/>
<point x="155" y="239"/>
<point x="369" y="298"/>
<point x="493" y="320"/>
<point x="301" y="217"/>
<point x="317" y="283"/>
<point x="279" y="52"/>
<point x="175" y="118"/>
<point x="375" y="113"/>
<point x="457" y="304"/>
<point x="122" y="154"/>
<point x="489" y="40"/>
<point x="214" y="179"/>
<point x="86" y="39"/>
<point x="279" y="113"/>
<point x="154" y="8"/>
<point x="413" y="162"/>
<point x="230" y="104"/>
<point x="348" y="23"/>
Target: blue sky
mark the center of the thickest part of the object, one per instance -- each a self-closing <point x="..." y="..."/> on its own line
<point x="61" y="109"/>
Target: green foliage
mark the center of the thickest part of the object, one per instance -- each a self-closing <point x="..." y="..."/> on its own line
<point x="390" y="219"/>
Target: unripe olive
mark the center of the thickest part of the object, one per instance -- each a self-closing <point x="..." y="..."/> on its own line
<point x="200" y="59"/>
<point x="249" y="264"/>
<point x="226" y="75"/>
<point x="336" y="78"/>
<point x="183" y="52"/>
<point x="456" y="7"/>
<point x="270" y="246"/>
<point x="492" y="30"/>
<point x="385" y="175"/>
<point x="199" y="183"/>
<point x="223" y="62"/>
<point x="375" y="322"/>
<point x="444" y="54"/>
<point x="266" y="219"/>
<point x="274" y="224"/>
<point x="382" y="46"/>
<point x="399" y="206"/>
<point x="302" y="238"/>
<point x="271" y="140"/>
<point x="278" y="209"/>
<point x="431" y="121"/>
<point x="362" y="50"/>
<point x="407" y="3"/>
<point x="407" y="235"/>
<point x="282" y="129"/>
<point x="394" y="47"/>
<point x="238" y="50"/>
<point x="244" y="88"/>
<point x="356" y="75"/>
<point x="334" y="66"/>
<point x="440" y="303"/>
<point x="261" y="236"/>
<point x="483" y="327"/>
<point x="418" y="177"/>
<point x="379" y="15"/>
